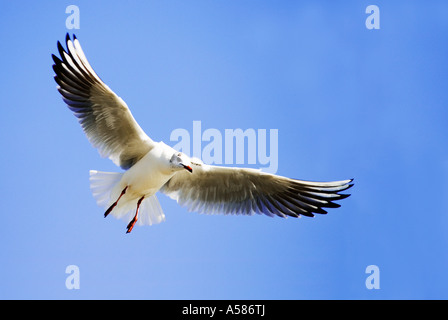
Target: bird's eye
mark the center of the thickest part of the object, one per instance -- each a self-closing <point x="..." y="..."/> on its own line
<point x="179" y="154"/>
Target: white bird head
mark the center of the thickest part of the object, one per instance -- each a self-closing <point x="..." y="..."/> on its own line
<point x="180" y="160"/>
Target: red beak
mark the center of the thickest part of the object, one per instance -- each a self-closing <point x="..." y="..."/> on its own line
<point x="188" y="168"/>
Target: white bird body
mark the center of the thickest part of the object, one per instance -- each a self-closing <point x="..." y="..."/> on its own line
<point x="154" y="166"/>
<point x="148" y="175"/>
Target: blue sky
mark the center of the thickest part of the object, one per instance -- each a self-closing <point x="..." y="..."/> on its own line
<point x="348" y="102"/>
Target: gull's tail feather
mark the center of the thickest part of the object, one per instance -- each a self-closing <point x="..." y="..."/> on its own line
<point x="150" y="212"/>
<point x="103" y="186"/>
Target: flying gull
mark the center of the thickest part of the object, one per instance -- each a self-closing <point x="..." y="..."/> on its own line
<point x="154" y="166"/>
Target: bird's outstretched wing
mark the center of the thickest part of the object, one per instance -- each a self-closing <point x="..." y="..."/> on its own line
<point x="104" y="116"/>
<point x="215" y="189"/>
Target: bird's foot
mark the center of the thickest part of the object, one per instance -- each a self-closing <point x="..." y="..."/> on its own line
<point x="131" y="225"/>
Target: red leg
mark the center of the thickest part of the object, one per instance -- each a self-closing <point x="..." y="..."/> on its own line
<point x="134" y="220"/>
<point x="115" y="203"/>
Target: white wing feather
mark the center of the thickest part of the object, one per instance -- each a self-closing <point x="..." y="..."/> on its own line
<point x="227" y="190"/>
<point x="104" y="116"/>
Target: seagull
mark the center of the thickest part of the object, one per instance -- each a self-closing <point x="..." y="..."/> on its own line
<point x="151" y="167"/>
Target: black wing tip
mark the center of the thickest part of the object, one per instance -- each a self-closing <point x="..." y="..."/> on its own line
<point x="58" y="44"/>
<point x="332" y="205"/>
<point x="311" y="214"/>
<point x="348" y="185"/>
<point x="61" y="50"/>
<point x="67" y="37"/>
<point x="286" y="211"/>
<point x="58" y="81"/>
<point x="343" y="196"/>
<point x="292" y="215"/>
<point x="56" y="59"/>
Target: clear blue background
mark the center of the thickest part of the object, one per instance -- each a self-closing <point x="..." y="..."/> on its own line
<point x="348" y="103"/>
